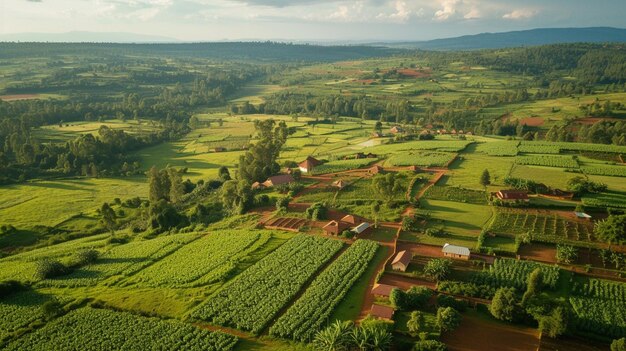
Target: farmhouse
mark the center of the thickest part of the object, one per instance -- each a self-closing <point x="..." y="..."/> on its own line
<point x="382" y="290"/>
<point x="307" y="165"/>
<point x="457" y="252"/>
<point x="384" y="312"/>
<point x="335" y="228"/>
<point x="361" y="228"/>
<point x="401" y="261"/>
<point x="512" y="195"/>
<point x="277" y="180"/>
<point x="397" y="130"/>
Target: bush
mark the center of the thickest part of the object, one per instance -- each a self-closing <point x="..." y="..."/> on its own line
<point x="48" y="268"/>
<point x="430" y="345"/>
<point x="85" y="257"/>
<point x="449" y="301"/>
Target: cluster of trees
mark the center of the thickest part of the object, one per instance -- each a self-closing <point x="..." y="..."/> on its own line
<point x="259" y="161"/>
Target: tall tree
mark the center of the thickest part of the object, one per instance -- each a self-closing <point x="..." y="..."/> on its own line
<point x="259" y="161"/>
<point x="108" y="217"/>
<point x="485" y="178"/>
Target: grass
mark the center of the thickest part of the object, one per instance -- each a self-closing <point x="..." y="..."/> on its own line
<point x="457" y="217"/>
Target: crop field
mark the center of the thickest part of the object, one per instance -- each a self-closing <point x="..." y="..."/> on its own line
<point x="203" y="261"/>
<point x="452" y="193"/>
<point x="513" y="273"/>
<point x="435" y="145"/>
<point x="541" y="227"/>
<point x="615" y="171"/>
<point x="94" y="329"/>
<point x="605" y="200"/>
<point x="423" y="159"/>
<point x="547" y="161"/>
<point x="309" y="313"/>
<point x="466" y="170"/>
<point x="254" y="297"/>
<point x="125" y="260"/>
<point x="19" y="310"/>
<point x="50" y="202"/>
<point x="499" y="148"/>
<point x="342" y="165"/>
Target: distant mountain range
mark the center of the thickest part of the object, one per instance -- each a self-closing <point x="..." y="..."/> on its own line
<point x="87" y="37"/>
<point x="531" y="37"/>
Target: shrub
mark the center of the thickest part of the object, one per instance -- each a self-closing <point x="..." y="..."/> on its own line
<point x="449" y="301"/>
<point x="48" y="268"/>
<point x="430" y="345"/>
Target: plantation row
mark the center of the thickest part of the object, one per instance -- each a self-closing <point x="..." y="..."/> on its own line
<point x="450" y="193"/>
<point x="342" y="165"/>
<point x="499" y="148"/>
<point x="123" y="259"/>
<point x="604" y="200"/>
<point x="602" y="289"/>
<point x="549" y="229"/>
<point x="547" y="161"/>
<point x="19" y="310"/>
<point x="512" y="273"/>
<point x="204" y="261"/>
<point x="565" y="146"/>
<point x="615" y="171"/>
<point x="311" y="311"/>
<point x="538" y="149"/>
<point x="423" y="159"/>
<point x="254" y="297"/>
<point x="94" y="329"/>
<point x="604" y="317"/>
<point x="438" y="145"/>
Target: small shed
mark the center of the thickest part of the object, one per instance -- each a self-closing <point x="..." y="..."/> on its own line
<point x="351" y="219"/>
<point x="360" y="228"/>
<point x="334" y="227"/>
<point x="382" y="290"/>
<point x="512" y="195"/>
<point x="401" y="261"/>
<point x="396" y="130"/>
<point x="457" y="252"/>
<point x="384" y="312"/>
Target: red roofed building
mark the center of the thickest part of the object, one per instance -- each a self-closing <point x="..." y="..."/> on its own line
<point x="512" y="195"/>
<point x="307" y="165"/>
<point x="384" y="312"/>
<point x="401" y="261"/>
<point x="383" y="290"/>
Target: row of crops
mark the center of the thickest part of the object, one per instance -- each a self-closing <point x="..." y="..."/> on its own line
<point x="423" y="159"/>
<point x="506" y="272"/>
<point x="19" y="310"/>
<point x="342" y="165"/>
<point x="600" y="307"/>
<point x="437" y="145"/>
<point x="616" y="171"/>
<point x="204" y="261"/>
<point x="548" y="161"/>
<point x="499" y="148"/>
<point x="543" y="228"/>
<point x="95" y="329"/>
<point x="604" y="200"/>
<point x="585" y="147"/>
<point x="311" y="311"/>
<point x="451" y="193"/>
<point x="123" y="259"/>
<point x="252" y="299"/>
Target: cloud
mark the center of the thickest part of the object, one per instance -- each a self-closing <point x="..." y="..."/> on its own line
<point x="283" y="3"/>
<point x="448" y="9"/>
<point x="519" y="14"/>
<point x="473" y="13"/>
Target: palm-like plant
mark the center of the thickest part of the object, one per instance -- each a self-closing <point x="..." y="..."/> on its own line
<point x="361" y="338"/>
<point x="380" y="339"/>
<point x="334" y="338"/>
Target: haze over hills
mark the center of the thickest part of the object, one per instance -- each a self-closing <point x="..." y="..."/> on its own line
<point x="531" y="37"/>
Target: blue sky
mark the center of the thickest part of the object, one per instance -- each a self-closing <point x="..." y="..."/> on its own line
<point x="305" y="19"/>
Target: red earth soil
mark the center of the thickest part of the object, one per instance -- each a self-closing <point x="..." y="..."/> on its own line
<point x="532" y="121"/>
<point x="413" y="73"/>
<point x="477" y="334"/>
<point x="18" y="97"/>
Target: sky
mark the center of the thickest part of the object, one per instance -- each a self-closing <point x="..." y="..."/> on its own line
<point x="306" y="20"/>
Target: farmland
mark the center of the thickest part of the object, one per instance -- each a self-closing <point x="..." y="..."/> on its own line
<point x="129" y="218"/>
